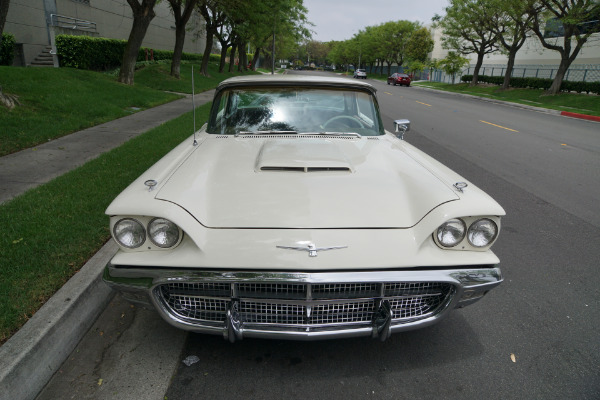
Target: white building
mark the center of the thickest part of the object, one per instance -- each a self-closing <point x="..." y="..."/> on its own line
<point x="33" y="21"/>
<point x="532" y="53"/>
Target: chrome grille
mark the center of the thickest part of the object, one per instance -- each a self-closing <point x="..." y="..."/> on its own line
<point x="193" y="307"/>
<point x="272" y="313"/>
<point x="304" y="304"/>
<point x="271" y="290"/>
<point x="344" y="290"/>
<point x="341" y="313"/>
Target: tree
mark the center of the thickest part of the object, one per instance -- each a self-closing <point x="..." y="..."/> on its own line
<point x="181" y="19"/>
<point x="467" y="29"/>
<point x="416" y="67"/>
<point x="511" y="25"/>
<point x="142" y="15"/>
<point x="214" y="17"/>
<point x="419" y="45"/>
<point x="395" y="36"/>
<point x="453" y="63"/>
<point x="573" y="21"/>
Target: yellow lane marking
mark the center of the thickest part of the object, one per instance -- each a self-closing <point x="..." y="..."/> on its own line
<point x="425" y="104"/>
<point x="498" y="126"/>
<point x="388" y="93"/>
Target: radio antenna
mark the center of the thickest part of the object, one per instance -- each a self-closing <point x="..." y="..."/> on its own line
<point x="194" y="106"/>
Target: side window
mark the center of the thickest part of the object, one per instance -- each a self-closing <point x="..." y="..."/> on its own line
<point x="365" y="109"/>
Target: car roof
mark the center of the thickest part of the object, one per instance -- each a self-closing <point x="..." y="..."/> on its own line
<point x="295" y="80"/>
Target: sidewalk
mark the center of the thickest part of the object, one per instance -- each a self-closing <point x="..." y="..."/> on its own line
<point x="38" y="165"/>
<point x="31" y="357"/>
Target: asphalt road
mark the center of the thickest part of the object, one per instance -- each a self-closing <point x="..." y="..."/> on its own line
<point x="535" y="336"/>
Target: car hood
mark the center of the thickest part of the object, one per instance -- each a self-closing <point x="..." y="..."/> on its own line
<point x="307" y="182"/>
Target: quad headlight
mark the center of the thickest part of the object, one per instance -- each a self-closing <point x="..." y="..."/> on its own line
<point x="478" y="232"/>
<point x="451" y="233"/>
<point x="134" y="232"/>
<point x="482" y="232"/>
<point x="163" y="232"/>
<point x="129" y="233"/>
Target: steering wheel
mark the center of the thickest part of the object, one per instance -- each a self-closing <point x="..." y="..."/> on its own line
<point x="342" y="117"/>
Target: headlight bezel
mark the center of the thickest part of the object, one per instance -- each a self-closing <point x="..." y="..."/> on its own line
<point x="148" y="244"/>
<point x="465" y="243"/>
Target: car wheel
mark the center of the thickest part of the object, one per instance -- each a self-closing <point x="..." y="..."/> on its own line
<point x="388" y="83"/>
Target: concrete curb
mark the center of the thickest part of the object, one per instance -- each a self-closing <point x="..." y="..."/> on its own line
<point x="580" y="116"/>
<point x="30" y="358"/>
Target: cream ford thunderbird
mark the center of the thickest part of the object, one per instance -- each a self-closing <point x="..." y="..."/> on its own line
<point x="293" y="214"/>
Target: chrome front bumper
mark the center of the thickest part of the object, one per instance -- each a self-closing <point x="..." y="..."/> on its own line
<point x="302" y="305"/>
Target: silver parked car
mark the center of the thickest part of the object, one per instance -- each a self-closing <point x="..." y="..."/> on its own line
<point x="360" y="73"/>
<point x="293" y="214"/>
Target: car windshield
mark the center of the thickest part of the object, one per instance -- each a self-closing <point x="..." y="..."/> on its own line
<point x="295" y="110"/>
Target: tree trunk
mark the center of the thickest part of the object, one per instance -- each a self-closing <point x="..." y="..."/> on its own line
<point x="142" y="15"/>
<point x="181" y="21"/>
<point x="255" y="59"/>
<point x="560" y="75"/>
<point x="243" y="64"/>
<point x="224" y="49"/>
<point x="206" y="55"/>
<point x="232" y="57"/>
<point x="178" y="50"/>
<point x="476" y="71"/>
<point x="512" y="54"/>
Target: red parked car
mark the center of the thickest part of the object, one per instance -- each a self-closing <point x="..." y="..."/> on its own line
<point x="399" y="79"/>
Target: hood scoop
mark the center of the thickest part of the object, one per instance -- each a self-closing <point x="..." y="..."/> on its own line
<point x="319" y="155"/>
<point x="306" y="169"/>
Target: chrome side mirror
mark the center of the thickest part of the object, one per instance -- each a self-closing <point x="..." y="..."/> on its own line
<point x="401" y="126"/>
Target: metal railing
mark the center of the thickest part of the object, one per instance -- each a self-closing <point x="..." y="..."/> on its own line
<point x="62" y="21"/>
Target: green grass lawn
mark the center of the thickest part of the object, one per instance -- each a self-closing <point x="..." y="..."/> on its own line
<point x="158" y="77"/>
<point x="59" y="101"/>
<point x="572" y="102"/>
<point x="52" y="230"/>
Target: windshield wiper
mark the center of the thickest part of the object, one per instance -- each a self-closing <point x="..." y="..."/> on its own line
<point x="358" y="135"/>
<point x="266" y="133"/>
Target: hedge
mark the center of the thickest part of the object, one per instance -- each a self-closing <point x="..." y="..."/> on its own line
<point x="538" y="83"/>
<point x="100" y="54"/>
<point x="7" y="49"/>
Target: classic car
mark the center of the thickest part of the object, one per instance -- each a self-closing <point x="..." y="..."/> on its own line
<point x="294" y="214"/>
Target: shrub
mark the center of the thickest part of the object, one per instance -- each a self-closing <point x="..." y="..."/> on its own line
<point x="538" y="83"/>
<point x="85" y="52"/>
<point x="7" y="49"/>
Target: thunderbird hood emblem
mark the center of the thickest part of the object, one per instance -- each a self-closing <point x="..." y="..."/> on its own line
<point x="311" y="248"/>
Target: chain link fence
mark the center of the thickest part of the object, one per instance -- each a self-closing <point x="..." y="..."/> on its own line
<point x="577" y="73"/>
